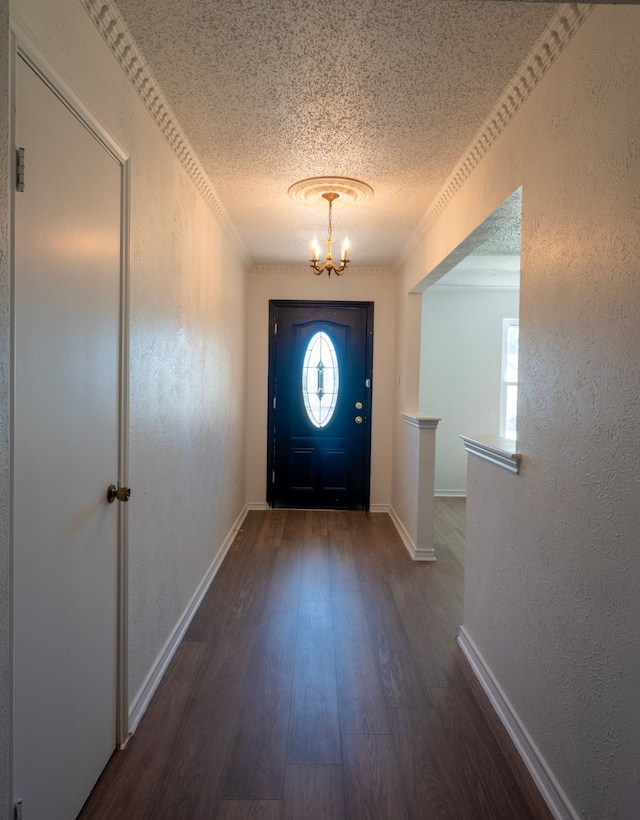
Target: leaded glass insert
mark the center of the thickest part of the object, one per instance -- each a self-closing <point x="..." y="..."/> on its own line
<point x="320" y="379"/>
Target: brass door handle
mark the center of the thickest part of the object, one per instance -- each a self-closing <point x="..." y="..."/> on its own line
<point x="358" y="419"/>
<point x="122" y="494"/>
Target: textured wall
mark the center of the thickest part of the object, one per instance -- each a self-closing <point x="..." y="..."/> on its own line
<point x="408" y="324"/>
<point x="553" y="572"/>
<point x="5" y="578"/>
<point x="188" y="328"/>
<point x="460" y="370"/>
<point x="299" y="283"/>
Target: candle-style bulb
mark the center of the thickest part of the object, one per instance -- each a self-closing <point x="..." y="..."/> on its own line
<point x="345" y="248"/>
<point x="315" y="249"/>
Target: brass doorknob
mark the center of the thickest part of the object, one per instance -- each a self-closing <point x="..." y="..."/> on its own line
<point x="358" y="419"/>
<point x="122" y="494"/>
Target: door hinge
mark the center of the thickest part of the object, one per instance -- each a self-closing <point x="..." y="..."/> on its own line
<point x="367" y="382"/>
<point x="273" y="477"/>
<point x="274" y="402"/>
<point x="275" y="329"/>
<point x="17" y="813"/>
<point x="20" y="173"/>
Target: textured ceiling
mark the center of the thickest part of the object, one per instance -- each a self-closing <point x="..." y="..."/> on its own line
<point x="493" y="261"/>
<point x="388" y="91"/>
<point x="484" y="270"/>
<point x="488" y="257"/>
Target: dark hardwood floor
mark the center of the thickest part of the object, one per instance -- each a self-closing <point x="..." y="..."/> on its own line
<point x="320" y="678"/>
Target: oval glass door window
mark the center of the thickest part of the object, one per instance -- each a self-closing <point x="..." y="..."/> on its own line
<point x="320" y="379"/>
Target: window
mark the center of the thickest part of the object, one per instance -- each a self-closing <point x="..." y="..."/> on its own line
<point x="320" y="379"/>
<point x="509" y="404"/>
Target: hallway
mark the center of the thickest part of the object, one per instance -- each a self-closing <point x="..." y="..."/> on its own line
<point x="320" y="678"/>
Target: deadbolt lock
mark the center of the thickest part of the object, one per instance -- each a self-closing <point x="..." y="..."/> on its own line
<point x="358" y="405"/>
<point x="358" y="419"/>
<point x="122" y="494"/>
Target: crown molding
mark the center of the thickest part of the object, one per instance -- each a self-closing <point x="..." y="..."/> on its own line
<point x="564" y="25"/>
<point x="474" y="288"/>
<point x="112" y="28"/>
<point x="303" y="270"/>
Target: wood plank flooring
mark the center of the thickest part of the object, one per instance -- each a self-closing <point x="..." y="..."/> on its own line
<point x="320" y="678"/>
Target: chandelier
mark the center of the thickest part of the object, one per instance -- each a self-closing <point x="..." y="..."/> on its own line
<point x="328" y="189"/>
<point x="329" y="265"/>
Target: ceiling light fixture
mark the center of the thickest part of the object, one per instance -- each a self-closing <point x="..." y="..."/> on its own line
<point x="330" y="189"/>
<point x="329" y="265"/>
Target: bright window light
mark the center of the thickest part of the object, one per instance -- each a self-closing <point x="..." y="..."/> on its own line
<point x="509" y="403"/>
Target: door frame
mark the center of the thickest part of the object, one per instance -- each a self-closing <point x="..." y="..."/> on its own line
<point x="274" y="304"/>
<point x="24" y="46"/>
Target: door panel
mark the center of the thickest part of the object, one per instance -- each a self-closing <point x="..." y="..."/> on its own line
<point x="327" y="466"/>
<point x="66" y="335"/>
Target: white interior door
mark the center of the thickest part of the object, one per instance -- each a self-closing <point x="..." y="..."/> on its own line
<point x="67" y="297"/>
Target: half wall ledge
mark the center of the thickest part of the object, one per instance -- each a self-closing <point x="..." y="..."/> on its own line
<point x="496" y="449"/>
<point x="422" y="422"/>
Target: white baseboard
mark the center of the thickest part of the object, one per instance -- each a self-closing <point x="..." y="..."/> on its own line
<point x="262" y="505"/>
<point x="415" y="553"/>
<point x="450" y="493"/>
<point x="151" y="682"/>
<point x="542" y="775"/>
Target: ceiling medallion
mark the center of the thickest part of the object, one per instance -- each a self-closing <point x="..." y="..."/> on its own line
<point x="311" y="190"/>
<point x="342" y="190"/>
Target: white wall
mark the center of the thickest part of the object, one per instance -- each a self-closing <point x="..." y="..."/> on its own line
<point x="365" y="285"/>
<point x="460" y="370"/>
<point x="188" y="347"/>
<point x="5" y="564"/>
<point x="553" y="565"/>
<point x="405" y="465"/>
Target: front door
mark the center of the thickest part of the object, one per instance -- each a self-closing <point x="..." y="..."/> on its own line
<point x="320" y="370"/>
<point x="65" y="454"/>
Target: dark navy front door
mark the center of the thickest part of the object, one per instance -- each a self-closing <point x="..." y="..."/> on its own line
<point x="320" y="364"/>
